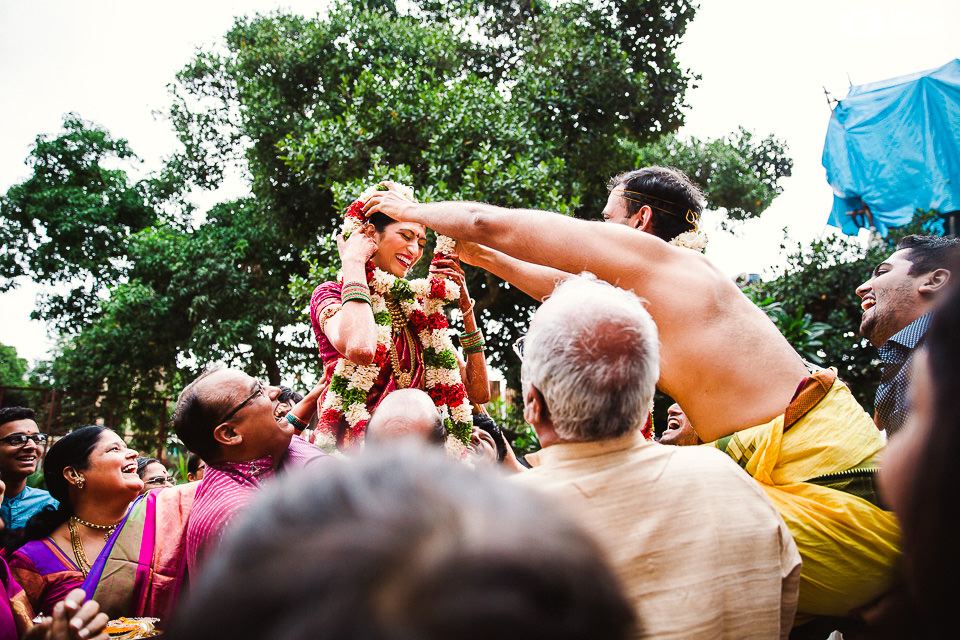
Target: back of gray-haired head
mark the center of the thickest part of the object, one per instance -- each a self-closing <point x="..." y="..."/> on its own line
<point x="403" y="544"/>
<point x="594" y="354"/>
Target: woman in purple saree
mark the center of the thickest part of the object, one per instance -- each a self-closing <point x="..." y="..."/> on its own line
<point x="136" y="542"/>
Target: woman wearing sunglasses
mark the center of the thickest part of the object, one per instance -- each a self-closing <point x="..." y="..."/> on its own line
<point x="101" y="529"/>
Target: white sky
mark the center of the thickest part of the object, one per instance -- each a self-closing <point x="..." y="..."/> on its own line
<point x="763" y="65"/>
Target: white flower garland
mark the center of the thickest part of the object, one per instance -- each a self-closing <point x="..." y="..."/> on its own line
<point x="696" y="240"/>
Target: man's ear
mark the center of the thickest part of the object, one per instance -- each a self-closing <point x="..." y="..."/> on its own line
<point x="934" y="282"/>
<point x="535" y="410"/>
<point x="643" y="219"/>
<point x="226" y="435"/>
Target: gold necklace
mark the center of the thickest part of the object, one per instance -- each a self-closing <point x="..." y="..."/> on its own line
<point x="398" y="322"/>
<point x="77" y="545"/>
<point x="100" y="527"/>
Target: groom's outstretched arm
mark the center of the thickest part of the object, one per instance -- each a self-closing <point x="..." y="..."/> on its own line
<point x="535" y="280"/>
<point x="615" y="253"/>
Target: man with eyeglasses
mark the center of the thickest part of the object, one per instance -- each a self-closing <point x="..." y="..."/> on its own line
<point x="230" y="420"/>
<point x="21" y="448"/>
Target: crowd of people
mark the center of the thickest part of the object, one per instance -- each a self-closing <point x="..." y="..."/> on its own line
<point x="771" y="507"/>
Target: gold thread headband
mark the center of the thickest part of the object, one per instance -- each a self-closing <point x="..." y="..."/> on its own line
<point x="690" y="217"/>
<point x="645" y="195"/>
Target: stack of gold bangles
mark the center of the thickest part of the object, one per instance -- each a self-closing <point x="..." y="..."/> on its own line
<point x="358" y="291"/>
<point x="472" y="342"/>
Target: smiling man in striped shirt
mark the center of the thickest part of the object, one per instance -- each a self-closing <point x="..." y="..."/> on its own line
<point x="230" y="420"/>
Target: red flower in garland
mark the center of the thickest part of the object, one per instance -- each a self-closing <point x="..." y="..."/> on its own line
<point x="382" y="356"/>
<point x="438" y="288"/>
<point x="448" y="394"/>
<point x="419" y="321"/>
<point x="355" y="210"/>
<point x="437" y="321"/>
<point x="330" y="416"/>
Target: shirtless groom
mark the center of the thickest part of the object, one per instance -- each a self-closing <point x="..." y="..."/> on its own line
<point x="737" y="378"/>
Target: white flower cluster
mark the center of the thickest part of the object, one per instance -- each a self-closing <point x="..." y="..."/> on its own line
<point x="445" y="245"/>
<point x="696" y="240"/>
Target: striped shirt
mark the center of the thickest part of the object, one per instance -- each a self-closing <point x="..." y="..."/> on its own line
<point x="228" y="487"/>
<point x="893" y="401"/>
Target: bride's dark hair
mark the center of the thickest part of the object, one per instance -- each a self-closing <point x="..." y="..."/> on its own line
<point x="380" y="221"/>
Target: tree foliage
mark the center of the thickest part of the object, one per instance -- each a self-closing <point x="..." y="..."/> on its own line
<point x="523" y="104"/>
<point x="13" y="369"/>
<point x="69" y="223"/>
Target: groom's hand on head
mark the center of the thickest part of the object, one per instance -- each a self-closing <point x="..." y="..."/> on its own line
<point x="388" y="203"/>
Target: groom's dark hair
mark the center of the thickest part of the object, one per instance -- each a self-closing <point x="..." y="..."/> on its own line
<point x="675" y="200"/>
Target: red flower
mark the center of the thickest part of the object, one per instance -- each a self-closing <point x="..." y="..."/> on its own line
<point x="419" y="320"/>
<point x="330" y="416"/>
<point x="448" y="394"/>
<point x="355" y="210"/>
<point x="437" y="321"/>
<point x="438" y="288"/>
<point x="382" y="356"/>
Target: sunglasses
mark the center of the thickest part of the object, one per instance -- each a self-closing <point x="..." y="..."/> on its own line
<point x="20" y="439"/>
<point x="259" y="392"/>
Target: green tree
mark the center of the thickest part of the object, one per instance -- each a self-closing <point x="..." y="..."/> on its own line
<point x="524" y="104"/>
<point x="68" y="224"/>
<point x="13" y="369"/>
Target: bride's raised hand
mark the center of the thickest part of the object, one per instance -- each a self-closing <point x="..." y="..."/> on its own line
<point x="357" y="249"/>
<point x="450" y="267"/>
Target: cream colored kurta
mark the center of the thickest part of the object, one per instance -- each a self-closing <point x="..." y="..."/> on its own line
<point x="700" y="549"/>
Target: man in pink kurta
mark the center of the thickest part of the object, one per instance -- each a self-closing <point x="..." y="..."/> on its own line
<point x="699" y="548"/>
<point x="230" y="420"/>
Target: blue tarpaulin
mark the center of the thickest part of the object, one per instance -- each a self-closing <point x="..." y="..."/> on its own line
<point x="893" y="147"/>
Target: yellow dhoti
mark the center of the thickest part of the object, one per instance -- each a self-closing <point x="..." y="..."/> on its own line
<point x="818" y="472"/>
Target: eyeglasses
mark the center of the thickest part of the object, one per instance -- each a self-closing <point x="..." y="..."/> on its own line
<point x="159" y="480"/>
<point x="258" y="392"/>
<point x="518" y="346"/>
<point x="20" y="439"/>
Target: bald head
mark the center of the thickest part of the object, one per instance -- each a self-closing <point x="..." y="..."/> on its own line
<point x="406" y="413"/>
<point x="593" y="353"/>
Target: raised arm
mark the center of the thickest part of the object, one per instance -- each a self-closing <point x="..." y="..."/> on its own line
<point x="567" y="244"/>
<point x="473" y="372"/>
<point x="352" y="330"/>
<point x="537" y="281"/>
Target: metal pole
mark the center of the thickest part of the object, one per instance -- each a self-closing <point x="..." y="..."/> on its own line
<point x="160" y="432"/>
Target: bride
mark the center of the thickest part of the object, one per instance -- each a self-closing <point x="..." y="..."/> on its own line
<point x="378" y="332"/>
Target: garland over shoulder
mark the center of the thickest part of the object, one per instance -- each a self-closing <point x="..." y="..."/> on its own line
<point x="422" y="303"/>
